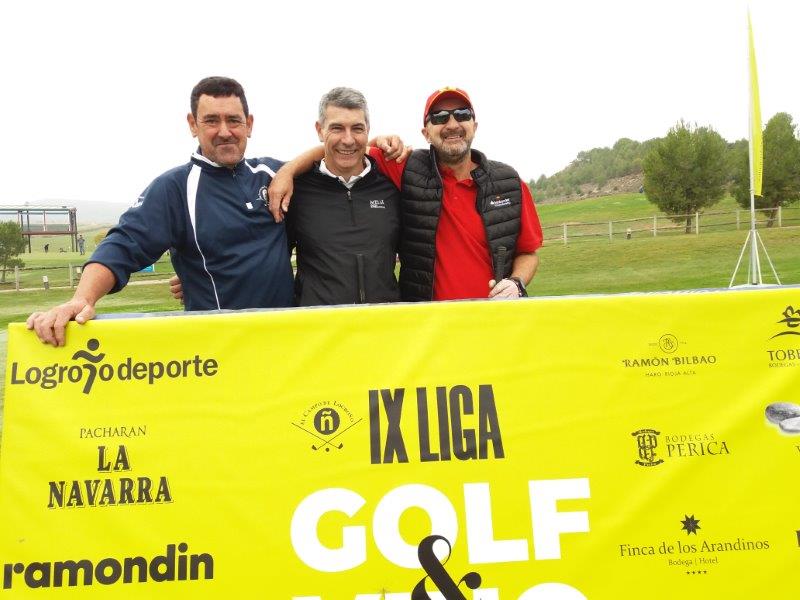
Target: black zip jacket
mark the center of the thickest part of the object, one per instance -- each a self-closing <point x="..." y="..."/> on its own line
<point x="346" y="240"/>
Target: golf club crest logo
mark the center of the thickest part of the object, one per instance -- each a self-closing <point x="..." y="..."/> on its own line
<point x="326" y="422"/>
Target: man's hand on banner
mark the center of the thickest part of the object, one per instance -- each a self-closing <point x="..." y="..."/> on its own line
<point x="49" y="326"/>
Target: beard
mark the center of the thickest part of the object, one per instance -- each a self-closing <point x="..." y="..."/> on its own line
<point x="452" y="152"/>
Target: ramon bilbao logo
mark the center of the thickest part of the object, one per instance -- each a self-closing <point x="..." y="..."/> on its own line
<point x="90" y="365"/>
<point x="667" y="356"/>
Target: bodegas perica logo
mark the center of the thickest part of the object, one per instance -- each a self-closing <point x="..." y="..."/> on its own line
<point x="91" y="365"/>
<point x="654" y="448"/>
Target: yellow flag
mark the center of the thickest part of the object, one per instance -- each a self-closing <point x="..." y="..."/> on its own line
<point x="756" y="144"/>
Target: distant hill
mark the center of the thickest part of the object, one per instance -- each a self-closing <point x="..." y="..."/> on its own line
<point x="596" y="172"/>
<point x="604" y="171"/>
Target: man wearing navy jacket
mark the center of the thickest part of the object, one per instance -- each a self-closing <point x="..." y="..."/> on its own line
<point x="211" y="213"/>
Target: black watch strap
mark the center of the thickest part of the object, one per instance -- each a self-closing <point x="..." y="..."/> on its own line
<point x="520" y="286"/>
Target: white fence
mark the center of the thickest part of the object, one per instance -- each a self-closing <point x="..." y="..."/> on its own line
<point x="657" y="225"/>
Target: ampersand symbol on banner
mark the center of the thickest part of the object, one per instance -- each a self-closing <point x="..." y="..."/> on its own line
<point x="438" y="575"/>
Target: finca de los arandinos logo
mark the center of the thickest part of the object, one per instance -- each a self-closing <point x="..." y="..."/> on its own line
<point x="89" y="366"/>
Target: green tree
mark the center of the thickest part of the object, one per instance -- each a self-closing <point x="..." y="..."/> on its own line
<point x="12" y="244"/>
<point x="686" y="172"/>
<point x="780" y="182"/>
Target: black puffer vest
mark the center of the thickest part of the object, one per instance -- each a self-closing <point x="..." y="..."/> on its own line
<point x="498" y="201"/>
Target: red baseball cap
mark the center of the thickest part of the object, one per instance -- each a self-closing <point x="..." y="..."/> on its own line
<point x="445" y="92"/>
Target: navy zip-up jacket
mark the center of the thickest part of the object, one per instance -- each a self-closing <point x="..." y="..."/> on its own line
<point x="223" y="242"/>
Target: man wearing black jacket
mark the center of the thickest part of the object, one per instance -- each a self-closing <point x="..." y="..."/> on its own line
<point x="346" y="228"/>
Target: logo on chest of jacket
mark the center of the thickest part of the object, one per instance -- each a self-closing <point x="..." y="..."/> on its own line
<point x="263" y="198"/>
<point x="498" y="202"/>
<point x="376" y="204"/>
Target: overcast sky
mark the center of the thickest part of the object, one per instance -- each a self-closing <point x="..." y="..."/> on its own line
<point x="96" y="93"/>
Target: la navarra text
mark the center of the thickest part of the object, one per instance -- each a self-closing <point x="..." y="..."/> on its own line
<point x="111" y="489"/>
<point x="452" y="423"/>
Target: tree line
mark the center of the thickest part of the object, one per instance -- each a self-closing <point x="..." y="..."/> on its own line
<point x="690" y="169"/>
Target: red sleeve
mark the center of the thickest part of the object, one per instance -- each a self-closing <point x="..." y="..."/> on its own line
<point x="530" y="231"/>
<point x="392" y="169"/>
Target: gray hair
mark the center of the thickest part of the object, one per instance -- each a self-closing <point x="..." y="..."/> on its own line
<point x="343" y="97"/>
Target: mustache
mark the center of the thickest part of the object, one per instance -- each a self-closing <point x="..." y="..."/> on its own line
<point x="459" y="130"/>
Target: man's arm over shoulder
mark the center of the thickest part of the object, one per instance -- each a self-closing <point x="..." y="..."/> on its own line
<point x="282" y="186"/>
<point x="390" y="168"/>
<point x="265" y="163"/>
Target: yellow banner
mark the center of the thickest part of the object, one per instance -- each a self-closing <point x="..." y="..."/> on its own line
<point x="559" y="449"/>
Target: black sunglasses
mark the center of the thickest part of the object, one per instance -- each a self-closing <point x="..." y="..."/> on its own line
<point x="440" y="117"/>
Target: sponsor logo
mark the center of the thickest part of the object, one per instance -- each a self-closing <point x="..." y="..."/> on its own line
<point x="667" y="357"/>
<point x="695" y="557"/>
<point x="327" y="422"/>
<point x="783" y="357"/>
<point x="498" y="202"/>
<point x="791" y="318"/>
<point x="653" y="450"/>
<point x="90" y="366"/>
<point x="174" y="565"/>
<point x="376" y="204"/>
<point x="785" y="416"/>
<point x="105" y="488"/>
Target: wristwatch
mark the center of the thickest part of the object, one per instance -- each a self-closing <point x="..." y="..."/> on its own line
<point x="520" y="286"/>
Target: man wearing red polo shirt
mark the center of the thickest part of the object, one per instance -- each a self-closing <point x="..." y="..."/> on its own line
<point x="470" y="228"/>
<point x="469" y="225"/>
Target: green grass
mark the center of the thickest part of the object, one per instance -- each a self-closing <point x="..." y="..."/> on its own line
<point x="676" y="262"/>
